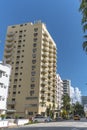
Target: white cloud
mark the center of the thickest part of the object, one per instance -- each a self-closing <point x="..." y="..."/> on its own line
<point x="75" y="94"/>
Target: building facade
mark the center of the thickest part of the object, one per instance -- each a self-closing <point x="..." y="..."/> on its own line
<point x="59" y="91"/>
<point x="4" y="84"/>
<point x="31" y="52"/>
<point x="66" y="86"/>
<point x="84" y="100"/>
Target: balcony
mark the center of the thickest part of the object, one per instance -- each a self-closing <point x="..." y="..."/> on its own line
<point x="45" y="58"/>
<point x="8" y="59"/>
<point x="50" y="50"/>
<point x="44" y="65"/>
<point x="44" y="53"/>
<point x="45" y="34"/>
<point x="9" y="44"/>
<point x="7" y="55"/>
<point x="43" y="95"/>
<point x="8" y="49"/>
<point x="43" y="83"/>
<point x="50" y="54"/>
<point x="10" y="34"/>
<point x="11" y="102"/>
<point x="11" y="111"/>
<point x="54" y="65"/>
<point x="10" y="39"/>
<point x="46" y="44"/>
<point x="45" y="39"/>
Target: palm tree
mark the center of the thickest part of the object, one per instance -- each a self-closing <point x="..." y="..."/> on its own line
<point x="83" y="9"/>
<point x="66" y="102"/>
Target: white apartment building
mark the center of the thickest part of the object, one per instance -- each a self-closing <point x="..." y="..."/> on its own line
<point x="59" y="91"/>
<point x="4" y="83"/>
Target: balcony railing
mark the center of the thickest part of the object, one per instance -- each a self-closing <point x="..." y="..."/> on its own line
<point x="11" y="102"/>
<point x="10" y="39"/>
<point x="10" y="34"/>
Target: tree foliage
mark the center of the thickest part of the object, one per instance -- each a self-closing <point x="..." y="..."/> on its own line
<point x="78" y="109"/>
<point x="83" y="9"/>
<point x="66" y="102"/>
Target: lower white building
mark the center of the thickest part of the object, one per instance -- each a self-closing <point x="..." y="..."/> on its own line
<point x="5" y="70"/>
<point x="59" y="91"/>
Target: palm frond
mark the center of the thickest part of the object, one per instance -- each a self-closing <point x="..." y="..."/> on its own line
<point x="85" y="36"/>
<point x="85" y="27"/>
<point x="84" y="20"/>
<point x="84" y="45"/>
<point x="83" y="5"/>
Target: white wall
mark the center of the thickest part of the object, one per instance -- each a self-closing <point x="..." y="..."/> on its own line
<point x="4" y="83"/>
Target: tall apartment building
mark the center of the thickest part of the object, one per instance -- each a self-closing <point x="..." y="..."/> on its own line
<point x="4" y="83"/>
<point x="66" y="86"/>
<point x="59" y="84"/>
<point x="31" y="52"/>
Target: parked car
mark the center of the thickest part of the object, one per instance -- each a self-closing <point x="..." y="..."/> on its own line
<point x="39" y="119"/>
<point x="48" y="119"/>
<point x="76" y="117"/>
<point x="59" y="118"/>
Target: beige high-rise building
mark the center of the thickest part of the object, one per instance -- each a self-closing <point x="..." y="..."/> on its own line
<point x="31" y="52"/>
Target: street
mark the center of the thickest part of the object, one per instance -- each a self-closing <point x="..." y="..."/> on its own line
<point x="61" y="125"/>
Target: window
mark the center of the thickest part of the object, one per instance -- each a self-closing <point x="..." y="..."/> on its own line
<point x="35" y="34"/>
<point x="1" y="84"/>
<point x="18" y="57"/>
<point x="22" y="56"/>
<point x="21" y="25"/>
<point x="33" y="61"/>
<point x="30" y="113"/>
<point x="33" y="73"/>
<point x="34" y="55"/>
<point x="31" y="98"/>
<point x="18" y="51"/>
<point x="32" y="86"/>
<point x="17" y="62"/>
<point x="19" y="46"/>
<point x="12" y="107"/>
<point x="34" y="50"/>
<point x="19" y="41"/>
<point x="0" y="73"/>
<point x="21" y="61"/>
<point x="22" y="50"/>
<point x="35" y="29"/>
<point x="16" y="68"/>
<point x="31" y="93"/>
<point x="34" y="45"/>
<point x="21" y="67"/>
<point x="20" y="36"/>
<point x="15" y="79"/>
<point x="14" y="86"/>
<point x="20" y="31"/>
<point x="21" y="73"/>
<point x="18" y="92"/>
<point x="33" y="79"/>
<point x="13" y="26"/>
<point x="23" y="45"/>
<point x="19" y="85"/>
<point x="33" y="67"/>
<point x="16" y="74"/>
<point x="13" y="99"/>
<point x="24" y="40"/>
<point x="35" y="39"/>
<point x="14" y="92"/>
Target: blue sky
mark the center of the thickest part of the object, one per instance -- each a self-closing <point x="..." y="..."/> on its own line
<point x="63" y="20"/>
